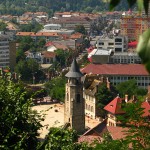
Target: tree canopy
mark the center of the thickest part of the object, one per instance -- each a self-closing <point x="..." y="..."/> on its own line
<point x="56" y="88"/>
<point x="19" y="125"/>
<point x="130" y="88"/>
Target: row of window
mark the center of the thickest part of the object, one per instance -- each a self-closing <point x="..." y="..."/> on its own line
<point x="3" y="44"/>
<point x="111" y="124"/>
<point x="129" y="78"/>
<point x="89" y="108"/>
<point x="4" y="60"/>
<point x="139" y="84"/>
<point x="87" y="97"/>
<point x="121" y="60"/>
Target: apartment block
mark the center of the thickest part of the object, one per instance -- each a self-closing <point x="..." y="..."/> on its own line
<point x="116" y="43"/>
<point x="7" y="52"/>
<point x="133" y="25"/>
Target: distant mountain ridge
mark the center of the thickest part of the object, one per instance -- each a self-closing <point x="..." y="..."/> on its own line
<point x="18" y="7"/>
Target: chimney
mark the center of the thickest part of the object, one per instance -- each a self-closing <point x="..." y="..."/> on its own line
<point x="126" y="98"/>
<point x="102" y="79"/>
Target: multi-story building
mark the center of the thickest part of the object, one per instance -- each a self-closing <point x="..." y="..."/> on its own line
<point x="133" y="25"/>
<point x="70" y="20"/>
<point x="7" y="52"/>
<point x="48" y="36"/>
<point x="91" y="85"/>
<point x="125" y="58"/>
<point x="116" y="43"/>
<point x="118" y="73"/>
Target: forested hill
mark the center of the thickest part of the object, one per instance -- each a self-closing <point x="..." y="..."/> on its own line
<point x="18" y="7"/>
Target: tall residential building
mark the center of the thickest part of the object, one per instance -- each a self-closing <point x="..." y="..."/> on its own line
<point x="74" y="113"/>
<point x="133" y="25"/>
<point x="7" y="52"/>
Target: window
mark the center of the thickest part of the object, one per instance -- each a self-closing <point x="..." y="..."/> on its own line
<point x="118" y="49"/>
<point x="110" y="43"/>
<point x="118" y="40"/>
<point x="91" y="108"/>
<point x="78" y="98"/>
<point x="101" y="43"/>
<point x="118" y="43"/>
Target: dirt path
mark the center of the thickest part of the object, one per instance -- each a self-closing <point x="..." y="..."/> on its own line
<point x="56" y="119"/>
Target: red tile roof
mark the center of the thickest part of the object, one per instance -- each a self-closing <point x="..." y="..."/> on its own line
<point x="47" y="54"/>
<point x="146" y="106"/>
<point x="117" y="132"/>
<point x="115" y="106"/>
<point x="98" y="131"/>
<point x="115" y="69"/>
<point x="76" y="36"/>
<point x="37" y="34"/>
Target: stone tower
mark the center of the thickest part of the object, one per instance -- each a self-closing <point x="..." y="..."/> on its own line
<point x="74" y="114"/>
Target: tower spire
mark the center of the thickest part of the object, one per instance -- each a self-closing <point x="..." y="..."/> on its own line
<point x="74" y="71"/>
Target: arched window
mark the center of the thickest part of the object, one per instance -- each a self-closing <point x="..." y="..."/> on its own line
<point x="91" y="108"/>
<point x="85" y="106"/>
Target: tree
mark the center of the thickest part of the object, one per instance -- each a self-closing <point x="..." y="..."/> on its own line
<point x="19" y="124"/>
<point x="80" y="29"/>
<point x="56" y="88"/>
<point x="138" y="133"/>
<point x="29" y="70"/>
<point x="63" y="57"/>
<point x="62" y="139"/>
<point x="130" y="88"/>
<point x="103" y="97"/>
<point x="20" y="55"/>
<point x="31" y="27"/>
<point x="3" y="26"/>
<point x="109" y="144"/>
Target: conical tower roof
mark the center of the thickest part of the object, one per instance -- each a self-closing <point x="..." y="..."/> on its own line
<point x="74" y="71"/>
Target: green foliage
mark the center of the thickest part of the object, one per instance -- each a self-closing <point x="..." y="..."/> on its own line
<point x="19" y="124"/>
<point x="112" y="145"/>
<point x="63" y="57"/>
<point x="31" y="27"/>
<point x="80" y="29"/>
<point x="3" y="26"/>
<point x="20" y="55"/>
<point x="109" y="144"/>
<point x="143" y="48"/>
<point x="62" y="139"/>
<point x="138" y="133"/>
<point x="130" y="88"/>
<point x="25" y="43"/>
<point x="18" y="7"/>
<point x="29" y="68"/>
<point x="56" y="88"/>
<point x="104" y="95"/>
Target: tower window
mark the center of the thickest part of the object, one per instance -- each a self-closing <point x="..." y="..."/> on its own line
<point x="67" y="96"/>
<point x="78" y="98"/>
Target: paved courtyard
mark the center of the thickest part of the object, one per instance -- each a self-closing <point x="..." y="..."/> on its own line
<point x="54" y="117"/>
